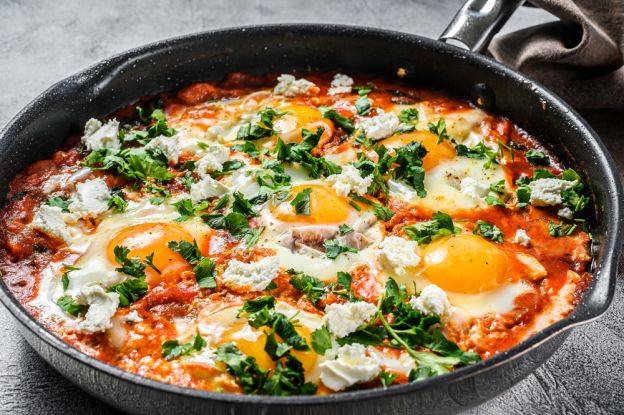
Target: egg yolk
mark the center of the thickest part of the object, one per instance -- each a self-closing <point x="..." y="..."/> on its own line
<point x="147" y="238"/>
<point x="325" y="206"/>
<point x="251" y="342"/>
<point x="436" y="153"/>
<point x="464" y="264"/>
<point x="301" y="116"/>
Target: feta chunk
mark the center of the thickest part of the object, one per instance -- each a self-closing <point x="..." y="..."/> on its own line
<point x="398" y="254"/>
<point x="133" y="317"/>
<point x="352" y="365"/>
<point x="215" y="133"/>
<point x="341" y="84"/>
<point x="521" y="237"/>
<point x="380" y="126"/>
<point x="169" y="146"/>
<point x="432" y="300"/>
<point x="342" y="319"/>
<point x="96" y="271"/>
<point x="547" y="192"/>
<point x="350" y="181"/>
<point x="216" y="155"/>
<point x="98" y="136"/>
<point x="289" y="86"/>
<point x="50" y="220"/>
<point x="566" y="213"/>
<point x="207" y="188"/>
<point x="102" y="308"/>
<point x="471" y="187"/>
<point x="90" y="199"/>
<point x="255" y="276"/>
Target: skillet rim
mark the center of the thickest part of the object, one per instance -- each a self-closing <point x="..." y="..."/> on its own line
<point x="606" y="270"/>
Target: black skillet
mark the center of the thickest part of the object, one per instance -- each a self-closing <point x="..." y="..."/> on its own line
<point x="41" y="127"/>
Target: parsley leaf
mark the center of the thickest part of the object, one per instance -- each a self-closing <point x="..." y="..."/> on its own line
<point x="339" y="120"/>
<point x="321" y="340"/>
<point x="409" y="115"/>
<point x="70" y="306"/>
<point x="301" y="202"/>
<point x="441" y="224"/>
<point x="560" y="229"/>
<point x="117" y="201"/>
<point x="203" y="267"/>
<point x="59" y="202"/>
<point x="333" y="248"/>
<point x="387" y="378"/>
<point x="345" y="229"/>
<point x="488" y="230"/>
<point x="312" y="287"/>
<point x="187" y="209"/>
<point x="363" y="105"/>
<point x="537" y="158"/>
<point x="439" y="129"/>
<point x="172" y="349"/>
<point x="130" y="266"/>
<point x="409" y="166"/>
<point x="129" y="291"/>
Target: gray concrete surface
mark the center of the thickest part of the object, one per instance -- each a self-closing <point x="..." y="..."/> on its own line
<point x="43" y="42"/>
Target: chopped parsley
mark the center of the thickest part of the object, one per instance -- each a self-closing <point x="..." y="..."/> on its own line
<point x="129" y="291"/>
<point x="312" y="287"/>
<point x="260" y="129"/>
<point x="203" y="267"/>
<point x="560" y="229"/>
<point x="537" y="158"/>
<point x="339" y="120"/>
<point x="60" y="202"/>
<point x="441" y="224"/>
<point x="488" y="230"/>
<point x="345" y="229"/>
<point x="301" y="202"/>
<point x="439" y="129"/>
<point x="172" y="349"/>
<point x="117" y="201"/>
<point x="363" y="105"/>
<point x="333" y="248"/>
<point x="71" y="306"/>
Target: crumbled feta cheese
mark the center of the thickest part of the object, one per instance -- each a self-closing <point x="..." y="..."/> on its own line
<point x="255" y="276"/>
<point x="102" y="308"/>
<point x="215" y="133"/>
<point x="547" y="192"/>
<point x="471" y="187"/>
<point x="286" y="124"/>
<point x="216" y="155"/>
<point x="566" y="213"/>
<point x="342" y="319"/>
<point x="290" y="87"/>
<point x="98" y="136"/>
<point x="50" y="220"/>
<point x="432" y="300"/>
<point x="207" y="188"/>
<point x="96" y="271"/>
<point x="55" y="182"/>
<point x="91" y="198"/>
<point x="398" y="254"/>
<point x="380" y="126"/>
<point x="352" y="365"/>
<point x="521" y="238"/>
<point x="169" y="146"/>
<point x="341" y="84"/>
<point x="133" y="317"/>
<point x="350" y="181"/>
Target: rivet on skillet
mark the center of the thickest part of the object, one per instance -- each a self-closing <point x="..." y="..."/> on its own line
<point x="483" y="96"/>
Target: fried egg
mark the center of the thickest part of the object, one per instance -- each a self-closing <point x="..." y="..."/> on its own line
<point x="223" y="326"/>
<point x="473" y="271"/>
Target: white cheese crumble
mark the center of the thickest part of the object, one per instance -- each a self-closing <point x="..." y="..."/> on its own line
<point x="380" y="126"/>
<point x="207" y="188"/>
<point x="215" y="133"/>
<point x="255" y="276"/>
<point x="216" y="155"/>
<point x="96" y="271"/>
<point x="547" y="192"/>
<point x="50" y="220"/>
<point x="349" y="180"/>
<point x="432" y="300"/>
<point x="98" y="136"/>
<point x="471" y="187"/>
<point x="90" y="199"/>
<point x="566" y="213"/>
<point x="352" y="365"/>
<point x="398" y="254"/>
<point x="341" y="84"/>
<point x="169" y="146"/>
<point x="132" y="317"/>
<point x="102" y="307"/>
<point x="521" y="237"/>
<point x="342" y="319"/>
<point x="289" y="86"/>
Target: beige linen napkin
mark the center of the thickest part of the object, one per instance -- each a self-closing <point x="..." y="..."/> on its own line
<point x="579" y="57"/>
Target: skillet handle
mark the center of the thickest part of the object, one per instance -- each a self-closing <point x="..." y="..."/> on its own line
<point x="476" y="23"/>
